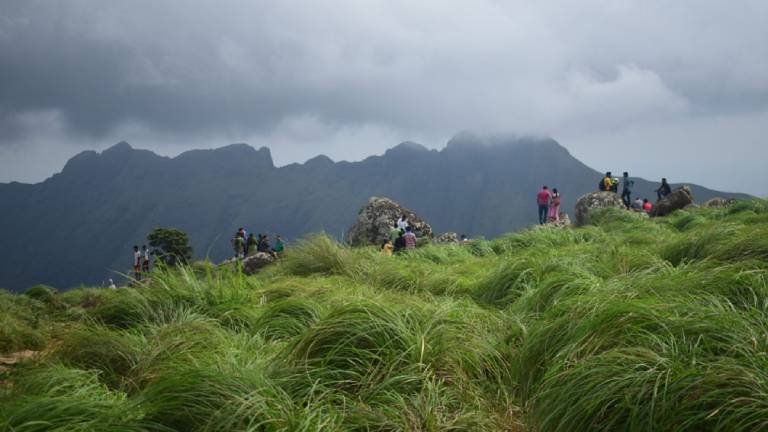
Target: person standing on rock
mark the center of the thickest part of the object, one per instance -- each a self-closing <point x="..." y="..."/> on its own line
<point x="136" y="263"/>
<point x="410" y="239"/>
<point x="542" y="199"/>
<point x="145" y="259"/>
<point x="238" y="245"/>
<point x="250" y="244"/>
<point x="279" y="245"/>
<point x="402" y="223"/>
<point x="626" y="191"/>
<point x="663" y="190"/>
<point x="554" y="206"/>
<point x="263" y="244"/>
<point x="606" y="182"/>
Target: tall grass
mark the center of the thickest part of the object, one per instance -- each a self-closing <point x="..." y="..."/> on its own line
<point x="629" y="323"/>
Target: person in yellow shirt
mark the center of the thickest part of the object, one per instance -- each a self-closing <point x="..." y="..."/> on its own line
<point x="386" y="248"/>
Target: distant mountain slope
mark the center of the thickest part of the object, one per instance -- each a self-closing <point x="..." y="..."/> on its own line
<point x="80" y="224"/>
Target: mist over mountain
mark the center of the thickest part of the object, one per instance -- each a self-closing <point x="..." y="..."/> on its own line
<point x="79" y="225"/>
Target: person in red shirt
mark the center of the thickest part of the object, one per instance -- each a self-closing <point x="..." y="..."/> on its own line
<point x="647" y="206"/>
<point x="542" y="199"/>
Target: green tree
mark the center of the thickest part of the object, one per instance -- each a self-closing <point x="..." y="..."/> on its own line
<point x="171" y="245"/>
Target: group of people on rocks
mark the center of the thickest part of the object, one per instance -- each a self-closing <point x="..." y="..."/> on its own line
<point x="244" y="244"/>
<point x="549" y="205"/>
<point x="611" y="184"/>
<point x="548" y="201"/>
<point x="401" y="237"/>
<point x="141" y="261"/>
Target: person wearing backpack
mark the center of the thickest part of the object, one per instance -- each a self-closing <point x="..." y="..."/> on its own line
<point x="605" y="183"/>
<point x="626" y="191"/>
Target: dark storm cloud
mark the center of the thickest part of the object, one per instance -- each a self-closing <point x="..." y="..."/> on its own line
<point x="350" y="77"/>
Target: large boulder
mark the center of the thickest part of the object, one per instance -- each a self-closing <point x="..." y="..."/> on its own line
<point x="255" y="262"/>
<point x="447" y="238"/>
<point x="375" y="221"/>
<point x="679" y="199"/>
<point x="595" y="200"/>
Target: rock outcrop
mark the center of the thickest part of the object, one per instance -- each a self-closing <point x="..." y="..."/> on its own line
<point x="253" y="263"/>
<point x="447" y="238"/>
<point x="679" y="199"/>
<point x="595" y="200"/>
<point x="718" y="202"/>
<point x="375" y="220"/>
<point x="563" y="222"/>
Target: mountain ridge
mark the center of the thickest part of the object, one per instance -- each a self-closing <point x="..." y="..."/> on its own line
<point x="101" y="204"/>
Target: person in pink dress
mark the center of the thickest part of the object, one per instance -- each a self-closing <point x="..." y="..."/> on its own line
<point x="554" y="206"/>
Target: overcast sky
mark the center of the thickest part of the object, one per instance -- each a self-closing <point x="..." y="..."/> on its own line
<point x="657" y="87"/>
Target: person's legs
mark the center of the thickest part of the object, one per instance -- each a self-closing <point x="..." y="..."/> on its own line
<point x="543" y="209"/>
<point x="626" y="198"/>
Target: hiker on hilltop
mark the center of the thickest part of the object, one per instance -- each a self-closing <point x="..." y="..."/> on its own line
<point x="663" y="190"/>
<point x="626" y="191"/>
<point x="637" y="205"/>
<point x="263" y="244"/>
<point x="386" y="248"/>
<point x="554" y="206"/>
<point x="250" y="244"/>
<point x="542" y="199"/>
<point x="410" y="239"/>
<point x="647" y="206"/>
<point x="402" y="223"/>
<point x="279" y="245"/>
<point x="606" y="183"/>
<point x="395" y="232"/>
<point x="399" y="243"/>
<point x="136" y="263"/>
<point x="145" y="259"/>
<point x="238" y="245"/>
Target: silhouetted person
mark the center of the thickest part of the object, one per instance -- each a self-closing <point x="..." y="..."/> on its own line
<point x="626" y="191"/>
<point x="263" y="244"/>
<point x="145" y="259"/>
<point x="250" y="244"/>
<point x="663" y="190"/>
<point x="399" y="244"/>
<point x="542" y="199"/>
<point x="136" y="263"/>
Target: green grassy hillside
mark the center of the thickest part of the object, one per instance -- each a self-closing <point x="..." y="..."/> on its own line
<point x="627" y="324"/>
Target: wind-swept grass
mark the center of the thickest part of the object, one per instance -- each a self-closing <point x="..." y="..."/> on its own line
<point x="628" y="323"/>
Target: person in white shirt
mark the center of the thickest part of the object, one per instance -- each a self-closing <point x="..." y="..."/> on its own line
<point x="136" y="263"/>
<point x="145" y="262"/>
<point x="402" y="223"/>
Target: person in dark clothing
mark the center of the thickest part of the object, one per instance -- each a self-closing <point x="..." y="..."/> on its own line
<point x="626" y="192"/>
<point x="663" y="190"/>
<point x="250" y="244"/>
<point x="263" y="244"/>
<point x="399" y="243"/>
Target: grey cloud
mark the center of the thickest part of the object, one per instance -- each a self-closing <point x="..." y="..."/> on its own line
<point x="362" y="73"/>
